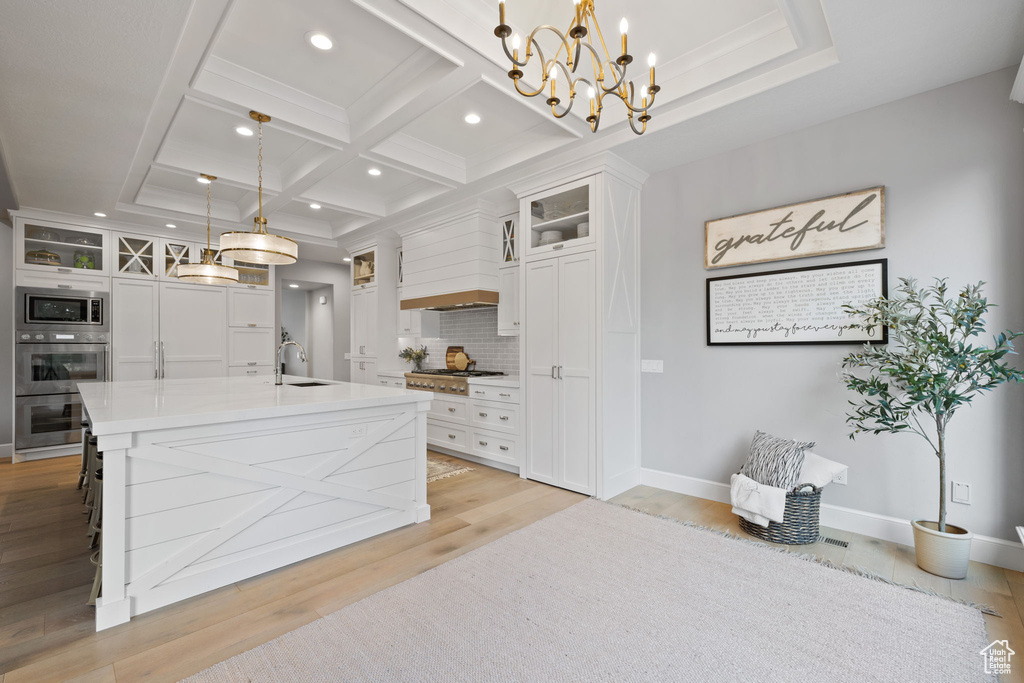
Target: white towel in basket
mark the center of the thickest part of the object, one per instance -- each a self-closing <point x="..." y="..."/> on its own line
<point x="756" y="502"/>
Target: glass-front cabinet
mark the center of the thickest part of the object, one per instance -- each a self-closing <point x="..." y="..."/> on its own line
<point x="250" y="275"/>
<point x="62" y="248"/>
<point x="509" y="248"/>
<point x="136" y="256"/>
<point x="559" y="218"/>
<point x="364" y="269"/>
<point x="174" y="253"/>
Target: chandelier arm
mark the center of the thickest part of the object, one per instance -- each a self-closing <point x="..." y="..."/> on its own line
<point x="528" y="94"/>
<point x="638" y="132"/>
<point x="504" y="46"/>
<point x="597" y="62"/>
<point x="531" y="40"/>
<point x="568" y="109"/>
<point x="621" y="73"/>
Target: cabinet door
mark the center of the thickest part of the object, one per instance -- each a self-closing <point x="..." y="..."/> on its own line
<point x="509" y="248"/>
<point x="193" y="330"/>
<point x="508" y="302"/>
<point x="250" y="308"/>
<point x="541" y="417"/>
<point x="359" y="322"/>
<point x="559" y="220"/>
<point x="577" y="341"/>
<point x="174" y="253"/>
<point x="406" y="323"/>
<point x="135" y="256"/>
<point x="363" y="371"/>
<point x="51" y="247"/>
<point x="249" y="347"/>
<point x="135" y="328"/>
<point x="370" y="329"/>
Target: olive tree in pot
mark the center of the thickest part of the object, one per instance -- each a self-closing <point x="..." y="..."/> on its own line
<point x="930" y="368"/>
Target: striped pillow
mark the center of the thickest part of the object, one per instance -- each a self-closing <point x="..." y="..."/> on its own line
<point x="774" y="461"/>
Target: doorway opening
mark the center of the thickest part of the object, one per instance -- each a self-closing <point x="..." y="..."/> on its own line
<point x="307" y="317"/>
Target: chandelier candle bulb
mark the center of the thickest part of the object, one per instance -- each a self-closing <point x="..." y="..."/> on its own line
<point x="501" y="11"/>
<point x="650" y="63"/>
<point x="623" y="27"/>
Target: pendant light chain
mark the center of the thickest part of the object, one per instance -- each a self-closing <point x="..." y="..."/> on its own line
<point x="259" y="164"/>
<point x="208" y="215"/>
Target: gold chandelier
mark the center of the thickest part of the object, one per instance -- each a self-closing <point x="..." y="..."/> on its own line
<point x="207" y="271"/>
<point x="259" y="246"/>
<point x="584" y="23"/>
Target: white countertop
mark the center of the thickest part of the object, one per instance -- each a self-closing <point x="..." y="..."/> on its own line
<point x="119" y="407"/>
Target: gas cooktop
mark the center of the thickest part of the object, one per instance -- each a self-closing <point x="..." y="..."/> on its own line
<point x="458" y="373"/>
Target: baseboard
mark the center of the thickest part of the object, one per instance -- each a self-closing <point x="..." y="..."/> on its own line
<point x="994" y="551"/>
<point x="6" y="451"/>
<point x="620" y="483"/>
<point x="475" y="458"/>
<point x="47" y="452"/>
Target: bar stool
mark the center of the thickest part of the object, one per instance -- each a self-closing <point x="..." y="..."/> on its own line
<point x="96" y="515"/>
<point x="97" y="583"/>
<point x="84" y="470"/>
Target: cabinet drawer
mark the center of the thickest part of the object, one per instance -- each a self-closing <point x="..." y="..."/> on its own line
<point x="447" y="409"/>
<point x="494" y="415"/>
<point x="391" y="382"/>
<point x="447" y="435"/>
<point x="251" y="371"/>
<point x="494" y="446"/>
<point x="88" y="283"/>
<point x="250" y="308"/>
<point x="250" y="346"/>
<point x="489" y="393"/>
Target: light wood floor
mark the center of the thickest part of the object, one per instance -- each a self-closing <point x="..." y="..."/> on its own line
<point x="1003" y="589"/>
<point x="47" y="632"/>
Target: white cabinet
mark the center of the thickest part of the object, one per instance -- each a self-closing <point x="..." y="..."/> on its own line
<point x="52" y="247"/>
<point x="170" y="329"/>
<point x="135" y="329"/>
<point x="509" y="243"/>
<point x="250" y="347"/>
<point x="364" y="322"/>
<point x="418" y="323"/>
<point x="250" y="308"/>
<point x="580" y="328"/>
<point x="136" y="256"/>
<point x="250" y="275"/>
<point x="559" y="219"/>
<point x="363" y="371"/>
<point x="173" y="253"/>
<point x="561" y="367"/>
<point x="193" y="330"/>
<point x="508" y="301"/>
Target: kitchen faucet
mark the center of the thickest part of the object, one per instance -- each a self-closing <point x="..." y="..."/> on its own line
<point x="278" y="375"/>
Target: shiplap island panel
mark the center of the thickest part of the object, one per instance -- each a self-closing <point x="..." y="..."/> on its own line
<point x="211" y="481"/>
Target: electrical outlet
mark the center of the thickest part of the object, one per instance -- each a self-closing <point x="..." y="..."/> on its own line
<point x="840" y="478"/>
<point x="652" y="366"/>
<point x="961" y="493"/>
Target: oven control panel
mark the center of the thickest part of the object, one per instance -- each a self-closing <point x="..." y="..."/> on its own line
<point x="34" y="337"/>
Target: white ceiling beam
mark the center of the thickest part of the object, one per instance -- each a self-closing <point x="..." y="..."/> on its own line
<point x="414" y="156"/>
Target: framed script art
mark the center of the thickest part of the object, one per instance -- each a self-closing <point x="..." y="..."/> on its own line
<point x="796" y="306"/>
<point x="846" y="222"/>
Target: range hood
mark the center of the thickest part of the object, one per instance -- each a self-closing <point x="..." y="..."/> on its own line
<point x="452" y="265"/>
<point x="458" y="301"/>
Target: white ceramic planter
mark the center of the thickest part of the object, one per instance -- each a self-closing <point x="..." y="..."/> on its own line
<point x="943" y="554"/>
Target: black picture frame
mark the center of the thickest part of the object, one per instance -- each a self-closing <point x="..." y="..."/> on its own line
<point x="884" y="339"/>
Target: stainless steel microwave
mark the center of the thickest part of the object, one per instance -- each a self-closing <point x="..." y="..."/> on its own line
<point x="47" y="309"/>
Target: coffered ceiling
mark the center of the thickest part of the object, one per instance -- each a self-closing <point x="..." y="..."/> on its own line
<point x="116" y="106"/>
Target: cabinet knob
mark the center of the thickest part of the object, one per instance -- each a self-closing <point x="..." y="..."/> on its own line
<point x="451" y="436"/>
<point x="504" y="448"/>
<point x="252" y="324"/>
<point x="251" y="286"/>
<point x="251" y="363"/>
<point x="451" y="410"/>
<point x="479" y="392"/>
<point x="483" y="443"/>
<point x="64" y="286"/>
<point x="63" y="270"/>
<point x="503" y="417"/>
<point x="506" y="395"/>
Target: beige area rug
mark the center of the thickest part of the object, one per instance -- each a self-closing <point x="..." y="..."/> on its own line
<point x="442" y="469"/>
<point x="598" y="592"/>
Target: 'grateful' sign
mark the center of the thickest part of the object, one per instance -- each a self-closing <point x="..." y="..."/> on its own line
<point x="847" y="222"/>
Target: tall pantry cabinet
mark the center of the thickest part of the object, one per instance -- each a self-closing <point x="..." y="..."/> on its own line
<point x="580" y="348"/>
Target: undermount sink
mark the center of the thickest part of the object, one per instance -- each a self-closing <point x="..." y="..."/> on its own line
<point x="306" y="384"/>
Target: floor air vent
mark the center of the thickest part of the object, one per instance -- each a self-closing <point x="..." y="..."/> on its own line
<point x="833" y="541"/>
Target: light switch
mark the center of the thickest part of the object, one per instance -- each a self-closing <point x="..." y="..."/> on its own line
<point x="652" y="366"/>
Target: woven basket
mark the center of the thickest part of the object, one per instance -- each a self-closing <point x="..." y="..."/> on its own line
<point x="801" y="521"/>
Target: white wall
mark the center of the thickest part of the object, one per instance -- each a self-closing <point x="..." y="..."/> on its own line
<point x="338" y="276"/>
<point x="952" y="161"/>
<point x="320" y="323"/>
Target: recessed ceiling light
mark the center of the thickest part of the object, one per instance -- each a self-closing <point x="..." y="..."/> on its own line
<point x="170" y="225"/>
<point x="346" y="259"/>
<point x="374" y="171"/>
<point x="320" y="41"/>
<point x="100" y="215"/>
<point x="314" y="205"/>
<point x="204" y="181"/>
<point x="293" y="286"/>
<point x="244" y="130"/>
<point x="472" y="118"/>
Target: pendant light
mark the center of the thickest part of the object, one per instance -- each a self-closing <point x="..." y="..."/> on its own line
<point x="207" y="272"/>
<point x="259" y="246"/>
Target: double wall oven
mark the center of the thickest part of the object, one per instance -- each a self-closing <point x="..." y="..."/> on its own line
<point x="62" y="338"/>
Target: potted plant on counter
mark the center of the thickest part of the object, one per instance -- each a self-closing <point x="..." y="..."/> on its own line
<point x="414" y="356"/>
<point x="931" y="368"/>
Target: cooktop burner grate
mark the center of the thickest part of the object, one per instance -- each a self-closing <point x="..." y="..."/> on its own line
<point x="458" y="373"/>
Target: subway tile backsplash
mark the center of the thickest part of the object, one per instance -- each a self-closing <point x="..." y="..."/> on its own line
<point x="477" y="331"/>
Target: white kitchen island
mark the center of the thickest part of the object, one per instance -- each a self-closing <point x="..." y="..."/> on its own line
<point x="210" y="481"/>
